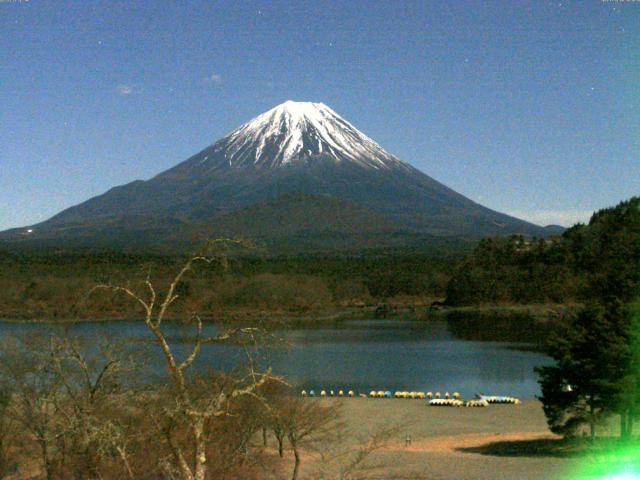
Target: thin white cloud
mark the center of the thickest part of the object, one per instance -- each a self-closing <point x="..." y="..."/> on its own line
<point x="213" y="78"/>
<point x="124" y="89"/>
<point x="566" y="218"/>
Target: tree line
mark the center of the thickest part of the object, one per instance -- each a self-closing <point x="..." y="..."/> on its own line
<point x="564" y="269"/>
<point x="53" y="285"/>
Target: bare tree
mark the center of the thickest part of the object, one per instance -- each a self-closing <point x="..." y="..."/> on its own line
<point x="7" y="432"/>
<point x="65" y="397"/>
<point x="276" y="395"/>
<point x="308" y="423"/>
<point x="34" y="392"/>
<point x="355" y="467"/>
<point x="91" y="383"/>
<point x="189" y="405"/>
<point x="114" y="440"/>
<point x="344" y="460"/>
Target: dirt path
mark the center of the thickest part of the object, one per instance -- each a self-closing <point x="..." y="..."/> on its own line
<point x="453" y="444"/>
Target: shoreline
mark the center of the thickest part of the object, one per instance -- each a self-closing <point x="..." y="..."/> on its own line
<point x="383" y="311"/>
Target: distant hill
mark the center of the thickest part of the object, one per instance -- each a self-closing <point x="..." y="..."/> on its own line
<point x="578" y="266"/>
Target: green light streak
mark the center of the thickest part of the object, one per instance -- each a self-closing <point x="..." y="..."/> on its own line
<point x="616" y="460"/>
<point x="619" y="463"/>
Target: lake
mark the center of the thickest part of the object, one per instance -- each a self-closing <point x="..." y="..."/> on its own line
<point x="435" y="355"/>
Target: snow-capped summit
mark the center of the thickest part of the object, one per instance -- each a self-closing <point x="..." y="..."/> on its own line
<point x="300" y="132"/>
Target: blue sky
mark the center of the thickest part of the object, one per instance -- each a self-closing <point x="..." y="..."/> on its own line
<point x="530" y="108"/>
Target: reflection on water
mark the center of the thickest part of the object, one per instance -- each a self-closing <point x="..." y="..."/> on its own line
<point x="512" y="327"/>
<point x="358" y="355"/>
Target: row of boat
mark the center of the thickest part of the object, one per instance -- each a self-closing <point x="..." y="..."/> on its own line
<point x="436" y="400"/>
<point x="480" y="401"/>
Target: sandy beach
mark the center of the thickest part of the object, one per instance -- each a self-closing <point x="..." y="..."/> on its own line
<point x="499" y="441"/>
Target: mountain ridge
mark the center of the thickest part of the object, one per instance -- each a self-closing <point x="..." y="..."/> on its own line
<point x="294" y="147"/>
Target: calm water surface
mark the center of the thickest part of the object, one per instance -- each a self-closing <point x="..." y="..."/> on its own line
<point x="358" y="355"/>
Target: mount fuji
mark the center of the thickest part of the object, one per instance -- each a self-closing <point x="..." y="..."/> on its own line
<point x="298" y="172"/>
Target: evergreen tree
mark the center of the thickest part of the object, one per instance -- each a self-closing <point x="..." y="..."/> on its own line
<point x="628" y="399"/>
<point x="585" y="384"/>
<point x="597" y="369"/>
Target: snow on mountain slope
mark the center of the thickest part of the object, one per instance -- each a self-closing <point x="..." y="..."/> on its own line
<point x="299" y="132"/>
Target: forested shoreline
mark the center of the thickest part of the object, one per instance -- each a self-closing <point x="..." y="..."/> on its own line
<point x="562" y="269"/>
<point x="500" y="272"/>
<point x="56" y="286"/>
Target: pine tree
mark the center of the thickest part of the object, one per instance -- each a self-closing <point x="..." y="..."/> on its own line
<point x="597" y="369"/>
<point x="584" y="385"/>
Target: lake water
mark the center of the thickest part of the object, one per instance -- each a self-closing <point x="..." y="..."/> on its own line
<point x="359" y="355"/>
